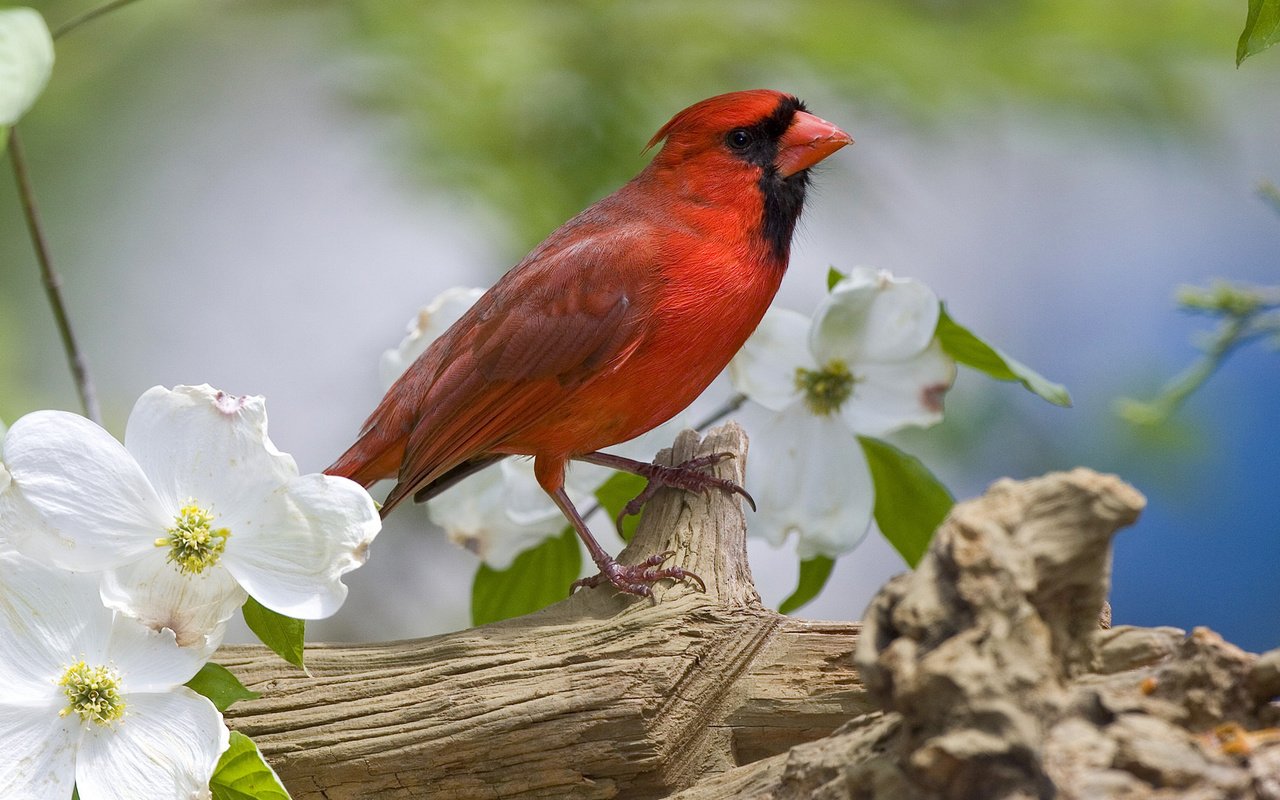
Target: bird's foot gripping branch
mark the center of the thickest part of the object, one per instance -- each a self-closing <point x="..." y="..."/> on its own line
<point x="692" y="476"/>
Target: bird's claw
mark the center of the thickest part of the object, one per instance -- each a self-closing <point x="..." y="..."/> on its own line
<point x="638" y="579"/>
<point x="689" y="476"/>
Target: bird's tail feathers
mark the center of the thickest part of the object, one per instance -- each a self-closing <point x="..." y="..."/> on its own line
<point x="369" y="460"/>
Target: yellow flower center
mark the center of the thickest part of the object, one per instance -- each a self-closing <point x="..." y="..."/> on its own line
<point x="825" y="390"/>
<point x="93" y="693"/>
<point x="194" y="544"/>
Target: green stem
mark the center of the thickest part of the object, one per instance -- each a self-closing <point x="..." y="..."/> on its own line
<point x="731" y="405"/>
<point x="48" y="275"/>
<point x="89" y="16"/>
<point x="1235" y="332"/>
<point x="52" y="282"/>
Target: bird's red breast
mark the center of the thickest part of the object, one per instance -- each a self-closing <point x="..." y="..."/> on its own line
<point x="622" y="316"/>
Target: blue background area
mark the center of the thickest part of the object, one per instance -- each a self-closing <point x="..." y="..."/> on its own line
<point x="1207" y="549"/>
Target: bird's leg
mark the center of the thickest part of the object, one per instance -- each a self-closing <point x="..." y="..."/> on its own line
<point x="633" y="579"/>
<point x="690" y="476"/>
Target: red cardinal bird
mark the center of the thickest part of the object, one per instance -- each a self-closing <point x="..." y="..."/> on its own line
<point x="614" y="324"/>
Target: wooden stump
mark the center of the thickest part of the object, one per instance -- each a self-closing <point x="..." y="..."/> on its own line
<point x="601" y="695"/>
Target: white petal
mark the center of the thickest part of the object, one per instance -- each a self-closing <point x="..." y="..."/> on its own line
<point x="197" y="443"/>
<point x="765" y="368"/>
<point x="26" y="61"/>
<point x="876" y="317"/>
<point x="890" y="396"/>
<point x="19" y="522"/>
<point x="425" y="327"/>
<point x="194" y="607"/>
<point x="49" y="619"/>
<point x="13" y="522"/>
<point x="811" y="479"/>
<point x="167" y="746"/>
<point x="87" y="488"/>
<point x="37" y="752"/>
<point x="474" y="515"/>
<point x="149" y="660"/>
<point x="21" y="527"/>
<point x="510" y="487"/>
<point x="292" y="554"/>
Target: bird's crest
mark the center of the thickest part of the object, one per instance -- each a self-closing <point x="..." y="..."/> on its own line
<point x="728" y="110"/>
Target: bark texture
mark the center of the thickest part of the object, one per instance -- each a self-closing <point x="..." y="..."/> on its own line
<point x="986" y="671"/>
<point x="599" y="696"/>
<point x="995" y="680"/>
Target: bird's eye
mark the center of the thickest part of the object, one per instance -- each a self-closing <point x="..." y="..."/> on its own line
<point x="739" y="138"/>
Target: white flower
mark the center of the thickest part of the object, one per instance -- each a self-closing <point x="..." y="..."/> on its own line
<point x="196" y="510"/>
<point x="491" y="515"/>
<point x="26" y="61"/>
<point x="868" y="364"/>
<point x="93" y="698"/>
<point x="426" y="326"/>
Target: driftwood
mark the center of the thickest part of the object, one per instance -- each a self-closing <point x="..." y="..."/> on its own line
<point x="988" y="676"/>
<point x="598" y="696"/>
<point x="996" y="681"/>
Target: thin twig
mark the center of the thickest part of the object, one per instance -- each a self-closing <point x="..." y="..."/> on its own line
<point x="48" y="275"/>
<point x="52" y="283"/>
<point x="89" y="16"/>
<point x="731" y="405"/>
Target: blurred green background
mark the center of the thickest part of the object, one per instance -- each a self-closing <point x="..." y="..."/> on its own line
<point x="258" y="195"/>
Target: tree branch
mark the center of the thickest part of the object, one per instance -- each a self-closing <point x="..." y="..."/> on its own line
<point x="51" y="280"/>
<point x="600" y="695"/>
<point x="983" y="674"/>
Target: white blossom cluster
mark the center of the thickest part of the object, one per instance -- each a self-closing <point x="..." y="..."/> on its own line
<point x="120" y="565"/>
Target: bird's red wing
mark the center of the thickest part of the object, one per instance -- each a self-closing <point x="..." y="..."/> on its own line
<point x="543" y="330"/>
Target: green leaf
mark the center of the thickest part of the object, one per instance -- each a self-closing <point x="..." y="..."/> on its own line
<point x="1261" y="29"/>
<point x="814" y="573"/>
<point x="242" y="774"/>
<point x="537" y="578"/>
<point x="216" y="682"/>
<point x="962" y="345"/>
<point x="284" y="635"/>
<point x="910" y="501"/>
<point x="613" y="494"/>
<point x="834" y="276"/>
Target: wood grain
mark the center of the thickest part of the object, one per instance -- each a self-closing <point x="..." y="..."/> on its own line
<point x="598" y="696"/>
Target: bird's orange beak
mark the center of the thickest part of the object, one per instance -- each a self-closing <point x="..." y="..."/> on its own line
<point x="809" y="140"/>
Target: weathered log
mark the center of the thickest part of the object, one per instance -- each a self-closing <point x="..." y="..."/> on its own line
<point x="996" y="681"/>
<point x="601" y="695"/>
<point x="987" y="675"/>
